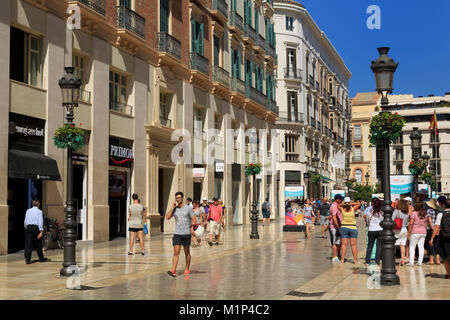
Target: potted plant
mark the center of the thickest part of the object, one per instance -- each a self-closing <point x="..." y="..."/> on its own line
<point x="253" y="169"/>
<point x="68" y="136"/>
<point x="417" y="167"/>
<point x="385" y="128"/>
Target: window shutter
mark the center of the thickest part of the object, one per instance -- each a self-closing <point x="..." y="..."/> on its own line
<point x="164" y="16"/>
<point x="193" y="36"/>
<point x="239" y="64"/>
<point x="200" y="42"/>
<point x="216" y="51"/>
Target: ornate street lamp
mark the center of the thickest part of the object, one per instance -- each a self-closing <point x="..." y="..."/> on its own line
<point x="367" y="176"/>
<point x="426" y="157"/>
<point x="315" y="163"/>
<point x="254" y="217"/>
<point x="70" y="89"/>
<point x="416" y="143"/>
<point x="384" y="69"/>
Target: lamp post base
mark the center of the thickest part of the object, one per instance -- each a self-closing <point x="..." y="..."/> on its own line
<point x="68" y="271"/>
<point x="389" y="280"/>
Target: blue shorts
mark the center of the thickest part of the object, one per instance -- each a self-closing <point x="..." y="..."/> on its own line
<point x="347" y="233"/>
<point x="308" y="220"/>
<point x="266" y="214"/>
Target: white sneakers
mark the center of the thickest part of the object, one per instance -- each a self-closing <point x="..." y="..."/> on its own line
<point x="335" y="260"/>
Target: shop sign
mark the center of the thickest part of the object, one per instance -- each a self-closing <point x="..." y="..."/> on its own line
<point x="335" y="192"/>
<point x="79" y="157"/>
<point x="220" y="167"/>
<point x="25" y="130"/>
<point x="294" y="192"/>
<point x="121" y="152"/>
<point x="199" y="172"/>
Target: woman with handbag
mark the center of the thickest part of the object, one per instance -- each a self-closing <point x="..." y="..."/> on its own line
<point x="373" y="219"/>
<point x="401" y="215"/>
<point x="417" y="231"/>
<point x="199" y="228"/>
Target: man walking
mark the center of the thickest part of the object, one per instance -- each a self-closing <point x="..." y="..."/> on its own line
<point x="335" y="227"/>
<point x="184" y="229"/>
<point x="324" y="211"/>
<point x="266" y="209"/>
<point x="34" y="229"/>
<point x="215" y="218"/>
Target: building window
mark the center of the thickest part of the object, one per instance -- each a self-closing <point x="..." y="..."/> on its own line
<point x="126" y="3"/>
<point x="164" y="16"/>
<point x="165" y="104"/>
<point x="248" y="73"/>
<point x="25" y="57"/>
<point x="399" y="154"/>
<point x="236" y="63"/>
<point x="117" y="91"/>
<point x="357" y="132"/>
<point x="292" y="103"/>
<point x="291" y="62"/>
<point x="198" y="123"/>
<point x="217" y="46"/>
<point x="197" y="36"/>
<point x="257" y="20"/>
<point x="289" y="23"/>
<point x="78" y="64"/>
<point x="358" y="175"/>
<point x="399" y="169"/>
<point x="357" y="153"/>
<point x="290" y="145"/>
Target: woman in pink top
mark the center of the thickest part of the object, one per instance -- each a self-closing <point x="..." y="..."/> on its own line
<point x="417" y="231"/>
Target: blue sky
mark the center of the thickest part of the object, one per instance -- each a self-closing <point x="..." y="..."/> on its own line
<point x="418" y="33"/>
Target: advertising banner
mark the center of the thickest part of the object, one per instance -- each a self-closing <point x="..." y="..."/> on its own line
<point x="335" y="192"/>
<point x="294" y="192"/>
<point x="294" y="217"/>
<point x="401" y="184"/>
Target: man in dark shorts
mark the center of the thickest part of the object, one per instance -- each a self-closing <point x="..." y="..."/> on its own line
<point x="184" y="229"/>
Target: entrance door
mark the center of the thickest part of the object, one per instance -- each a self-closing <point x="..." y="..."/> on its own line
<point x="198" y="191"/>
<point x="235" y="201"/>
<point x="80" y="199"/>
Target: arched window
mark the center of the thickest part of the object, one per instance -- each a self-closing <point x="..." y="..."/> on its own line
<point x="358" y="175"/>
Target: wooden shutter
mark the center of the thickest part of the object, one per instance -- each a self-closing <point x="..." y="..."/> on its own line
<point x="193" y="36"/>
<point x="239" y="62"/>
<point x="164" y="16"/>
<point x="200" y="40"/>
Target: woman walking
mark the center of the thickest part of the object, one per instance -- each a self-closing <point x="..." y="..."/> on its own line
<point x="402" y="213"/>
<point x="136" y="223"/>
<point x="417" y="231"/>
<point x="308" y="212"/>
<point x="373" y="219"/>
<point x="349" y="230"/>
<point x="199" y="214"/>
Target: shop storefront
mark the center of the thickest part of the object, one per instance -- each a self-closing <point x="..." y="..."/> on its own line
<point x="120" y="169"/>
<point x="199" y="176"/>
<point x="28" y="167"/>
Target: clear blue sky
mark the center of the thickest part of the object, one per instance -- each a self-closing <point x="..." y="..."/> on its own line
<point x="418" y="33"/>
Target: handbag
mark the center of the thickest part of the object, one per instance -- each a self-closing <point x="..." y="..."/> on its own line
<point x="145" y="229"/>
<point x="199" y="232"/>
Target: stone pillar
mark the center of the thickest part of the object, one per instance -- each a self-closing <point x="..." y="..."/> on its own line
<point x="244" y="209"/>
<point x="98" y="164"/>
<point x="5" y="21"/>
<point x="54" y="192"/>
<point x="154" y="220"/>
<point x="228" y="161"/>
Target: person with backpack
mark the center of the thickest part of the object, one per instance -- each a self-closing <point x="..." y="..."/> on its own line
<point x="401" y="220"/>
<point x="373" y="219"/>
<point x="266" y="209"/>
<point x="442" y="232"/>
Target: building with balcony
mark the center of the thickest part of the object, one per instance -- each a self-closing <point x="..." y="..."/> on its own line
<point x="363" y="106"/>
<point x="148" y="67"/>
<point x="312" y="94"/>
<point x="417" y="112"/>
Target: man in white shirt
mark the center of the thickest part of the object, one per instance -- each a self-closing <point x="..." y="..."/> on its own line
<point x="34" y="229"/>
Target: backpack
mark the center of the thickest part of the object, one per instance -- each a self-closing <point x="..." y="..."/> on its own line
<point x="445" y="225"/>
<point x="264" y="206"/>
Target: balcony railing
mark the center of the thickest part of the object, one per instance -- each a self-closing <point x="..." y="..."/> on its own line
<point x="291" y="73"/>
<point x="312" y="122"/>
<point x="169" y="44"/>
<point x="295" y="117"/>
<point x="165" y="122"/>
<point x="236" y="20"/>
<point x="273" y="106"/>
<point x="250" y="33"/>
<point x="292" y="157"/>
<point x="221" y="6"/>
<point x="85" y="96"/>
<point x="120" y="107"/>
<point x="130" y="20"/>
<point x="357" y="137"/>
<point x="311" y="81"/>
<point x="271" y="50"/>
<point x="357" y="159"/>
<point x="199" y="62"/>
<point x="256" y="96"/>
<point x="238" y="85"/>
<point x="222" y="76"/>
<point x="96" y="5"/>
<point x="261" y="42"/>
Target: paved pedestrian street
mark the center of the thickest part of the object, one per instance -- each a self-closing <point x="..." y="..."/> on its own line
<point x="277" y="266"/>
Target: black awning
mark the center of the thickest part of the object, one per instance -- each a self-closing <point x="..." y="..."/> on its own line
<point x="31" y="165"/>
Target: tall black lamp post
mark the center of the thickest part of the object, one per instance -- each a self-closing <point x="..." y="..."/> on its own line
<point x="254" y="218"/>
<point x="416" y="147"/>
<point x="315" y="163"/>
<point x="367" y="176"/>
<point x="384" y="68"/>
<point x="70" y="88"/>
<point x="347" y="174"/>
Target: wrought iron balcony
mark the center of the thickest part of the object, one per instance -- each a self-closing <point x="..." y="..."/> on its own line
<point x="273" y="106"/>
<point x="357" y="159"/>
<point x="357" y="137"/>
<point x="292" y="157"/>
<point x="270" y="50"/>
<point x="295" y="117"/>
<point x="291" y="73"/>
<point x="97" y="5"/>
<point x="221" y="6"/>
<point x="236" y="20"/>
<point x="120" y="107"/>
<point x="222" y="76"/>
<point x="238" y="85"/>
<point x="250" y="33"/>
<point x="261" y="42"/>
<point x="311" y="81"/>
<point x="255" y="95"/>
<point x="199" y="63"/>
<point x="169" y="44"/>
<point x="130" y="20"/>
<point x="165" y="121"/>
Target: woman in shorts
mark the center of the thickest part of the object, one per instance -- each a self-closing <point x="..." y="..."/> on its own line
<point x="349" y="230"/>
<point x="308" y="212"/>
<point x="402" y="212"/>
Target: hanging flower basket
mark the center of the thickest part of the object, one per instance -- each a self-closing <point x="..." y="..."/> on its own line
<point x="385" y="127"/>
<point x="315" y="177"/>
<point x="68" y="136"/>
<point x="253" y="169"/>
<point x="417" y="167"/>
<point x="348" y="184"/>
<point x="427" y="177"/>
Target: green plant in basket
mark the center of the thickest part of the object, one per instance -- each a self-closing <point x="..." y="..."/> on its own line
<point x="253" y="169"/>
<point x="68" y="136"/>
<point x="385" y="126"/>
<point x="417" y="167"/>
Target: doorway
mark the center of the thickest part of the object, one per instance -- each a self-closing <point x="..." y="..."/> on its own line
<point x="80" y="199"/>
<point x="118" y="199"/>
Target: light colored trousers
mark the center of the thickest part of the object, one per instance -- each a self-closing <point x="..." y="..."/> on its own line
<point x="416" y="239"/>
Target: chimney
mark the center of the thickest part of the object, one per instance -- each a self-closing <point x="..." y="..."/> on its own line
<point x="431" y="95"/>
